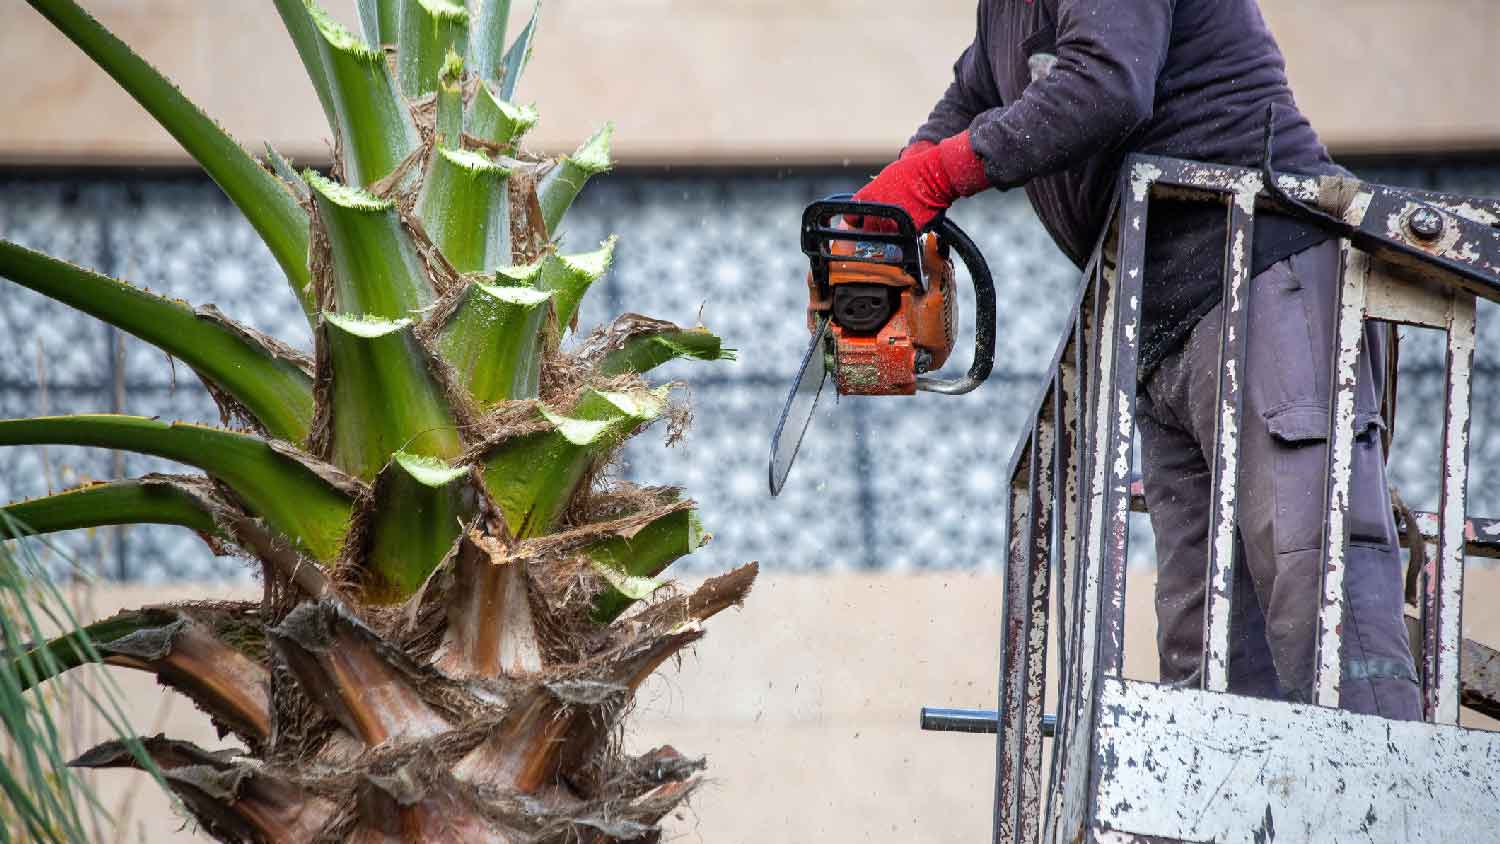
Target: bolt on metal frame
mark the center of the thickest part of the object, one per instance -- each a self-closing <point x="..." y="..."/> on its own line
<point x="1140" y="762"/>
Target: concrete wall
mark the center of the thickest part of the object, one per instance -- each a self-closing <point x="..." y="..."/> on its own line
<point x="732" y="81"/>
<point x="805" y="703"/>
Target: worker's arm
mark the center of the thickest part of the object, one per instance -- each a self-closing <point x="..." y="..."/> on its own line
<point x="972" y="91"/>
<point x="1103" y="87"/>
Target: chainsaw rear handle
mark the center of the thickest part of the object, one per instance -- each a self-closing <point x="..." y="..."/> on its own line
<point x="819" y="234"/>
<point x="952" y="236"/>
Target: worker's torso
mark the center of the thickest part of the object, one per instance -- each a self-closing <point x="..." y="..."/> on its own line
<point x="1222" y="70"/>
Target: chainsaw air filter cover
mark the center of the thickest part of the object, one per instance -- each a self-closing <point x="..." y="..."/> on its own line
<point x="888" y="324"/>
<point x="885" y="292"/>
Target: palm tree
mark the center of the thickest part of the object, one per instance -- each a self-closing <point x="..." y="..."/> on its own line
<point x="454" y="616"/>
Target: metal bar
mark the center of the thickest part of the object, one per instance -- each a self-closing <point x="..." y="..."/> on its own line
<point x="984" y="721"/>
<point x="1013" y="618"/>
<point x="1348" y="331"/>
<point x="1481" y="535"/>
<point x="1135" y="190"/>
<point x="1076" y="405"/>
<point x="1212" y="181"/>
<point x="1110" y="523"/>
<point x="1223" y="517"/>
<point x="1444" y="593"/>
<point x="1466" y="255"/>
<point x="1076" y="788"/>
<point x="1065" y="490"/>
<point x="1039" y="578"/>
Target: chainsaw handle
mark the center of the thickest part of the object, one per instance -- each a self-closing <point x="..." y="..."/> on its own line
<point x="951" y="235"/>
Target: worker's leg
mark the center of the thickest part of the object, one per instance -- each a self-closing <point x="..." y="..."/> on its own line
<point x="1282" y="481"/>
<point x="1174" y="457"/>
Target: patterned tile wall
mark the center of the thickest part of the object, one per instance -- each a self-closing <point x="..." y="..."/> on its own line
<point x="882" y="483"/>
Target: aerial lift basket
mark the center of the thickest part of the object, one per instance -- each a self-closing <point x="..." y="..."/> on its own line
<point x="1134" y="761"/>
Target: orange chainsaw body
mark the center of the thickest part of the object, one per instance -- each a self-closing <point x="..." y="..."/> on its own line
<point x="882" y="312"/>
<point x="886" y="326"/>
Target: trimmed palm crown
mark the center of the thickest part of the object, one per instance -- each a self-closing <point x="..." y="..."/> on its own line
<point x="453" y="619"/>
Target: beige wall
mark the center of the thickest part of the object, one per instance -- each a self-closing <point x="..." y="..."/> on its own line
<point x="729" y="81"/>
<point x="805" y="703"/>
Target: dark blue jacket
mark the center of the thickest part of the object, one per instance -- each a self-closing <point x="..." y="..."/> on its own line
<point x="1057" y="92"/>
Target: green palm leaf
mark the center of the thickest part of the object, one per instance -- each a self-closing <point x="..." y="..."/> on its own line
<point x="271" y="384"/>
<point x="265" y="202"/>
<point x="308" y="507"/>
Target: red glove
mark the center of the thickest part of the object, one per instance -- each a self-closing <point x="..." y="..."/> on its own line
<point x="916" y="147"/>
<point x="925" y="181"/>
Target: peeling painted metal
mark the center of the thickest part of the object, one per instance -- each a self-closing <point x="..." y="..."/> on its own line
<point x="1142" y="176"/>
<point x="1012" y="649"/>
<point x="1075" y="793"/>
<point x="1191" y="765"/>
<point x="1349" y="327"/>
<point x="1225" y="481"/>
<point x="1444" y="595"/>
<point x="1135" y="763"/>
<point x="1039" y="536"/>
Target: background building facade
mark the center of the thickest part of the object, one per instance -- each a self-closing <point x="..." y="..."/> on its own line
<point x="731" y="116"/>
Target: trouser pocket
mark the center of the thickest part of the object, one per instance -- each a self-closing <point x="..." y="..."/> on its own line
<point x="1300" y="489"/>
<point x="1292" y="309"/>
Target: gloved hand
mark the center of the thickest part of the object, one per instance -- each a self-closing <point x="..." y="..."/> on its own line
<point x="926" y="180"/>
<point x="916" y="147"/>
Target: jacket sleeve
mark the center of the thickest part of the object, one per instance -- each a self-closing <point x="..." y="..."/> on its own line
<point x="972" y="91"/>
<point x="1101" y="89"/>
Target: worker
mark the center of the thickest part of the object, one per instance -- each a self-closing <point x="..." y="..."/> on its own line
<point x="1052" y="95"/>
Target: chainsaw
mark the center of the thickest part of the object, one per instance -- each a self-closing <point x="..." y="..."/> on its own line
<point x="882" y="311"/>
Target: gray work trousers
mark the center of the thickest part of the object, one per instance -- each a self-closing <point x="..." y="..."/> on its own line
<point x="1283" y="466"/>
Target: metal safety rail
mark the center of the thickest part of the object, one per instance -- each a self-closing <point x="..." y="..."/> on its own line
<point x="1134" y="761"/>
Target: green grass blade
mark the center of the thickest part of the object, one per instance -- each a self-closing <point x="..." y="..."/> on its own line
<point x="299" y="25"/>
<point x="493" y="342"/>
<point x="384" y="397"/>
<point x="570" y="276"/>
<point x="562" y="184"/>
<point x="629" y="565"/>
<point x="40" y="791"/>
<point x="643" y="351"/>
<point x="519" y="55"/>
<point x="276" y="391"/>
<point x="487" y="39"/>
<point x="420" y="505"/>
<point x="376" y="268"/>
<point x="532" y="478"/>
<point x="464" y="207"/>
<point x="295" y="500"/>
<point x="430" y="30"/>
<point x="157" y="501"/>
<point x="271" y="209"/>
<point x="493" y="119"/>
<point x="375" y="127"/>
